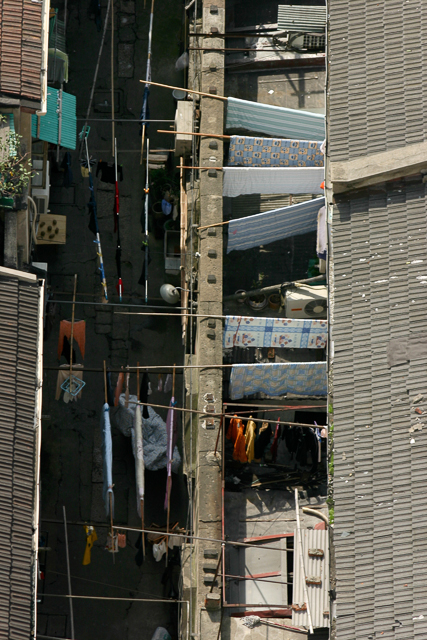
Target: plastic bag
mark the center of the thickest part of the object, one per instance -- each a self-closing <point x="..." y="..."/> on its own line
<point x="161" y="634"/>
<point x="166" y="207"/>
<point x="159" y="550"/>
<point x="182" y="62"/>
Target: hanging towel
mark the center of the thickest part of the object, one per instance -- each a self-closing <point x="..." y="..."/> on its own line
<point x="90" y="539"/>
<point x="168" y="383"/>
<point x="107" y="459"/>
<point x="241" y="331"/>
<point x="276" y="379"/>
<point x="274" y="121"/>
<point x="63" y="374"/>
<point x="244" y="180"/>
<point x="250" y="439"/>
<point x="170" y="428"/>
<point x="277" y="224"/>
<point x="321" y="234"/>
<point x="260" y="152"/>
<point x="239" y="452"/>
<point x="232" y="430"/>
<point x="79" y="335"/>
<point x="139" y="460"/>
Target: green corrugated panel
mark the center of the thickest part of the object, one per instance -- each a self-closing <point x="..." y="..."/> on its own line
<point x="49" y="123"/>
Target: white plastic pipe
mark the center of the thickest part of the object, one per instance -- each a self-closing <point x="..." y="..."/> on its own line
<point x="45" y="51"/>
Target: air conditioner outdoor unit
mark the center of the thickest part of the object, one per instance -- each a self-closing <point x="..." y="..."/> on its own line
<point x="41" y="197"/>
<point x="307" y="302"/>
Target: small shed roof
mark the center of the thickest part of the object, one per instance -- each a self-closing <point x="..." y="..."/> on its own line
<point x="21" y="49"/>
<point x="49" y="124"/>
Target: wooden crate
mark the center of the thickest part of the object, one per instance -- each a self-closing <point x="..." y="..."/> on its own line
<point x="52" y="229"/>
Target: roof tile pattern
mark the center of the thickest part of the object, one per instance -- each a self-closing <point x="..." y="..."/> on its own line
<point x="20" y="48"/>
<point x="377" y="90"/>
<point x="18" y="358"/>
<point x="380" y="294"/>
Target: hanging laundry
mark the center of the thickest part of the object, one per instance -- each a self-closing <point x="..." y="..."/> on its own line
<point x="63" y="374"/>
<point x="250" y="439"/>
<point x="143" y="395"/>
<point x="289" y="333"/>
<point x="168" y="383"/>
<point x="160" y="383"/>
<point x="296" y="180"/>
<point x="144" y="248"/>
<point x="270" y="226"/>
<point x="107" y="459"/>
<point x="90" y="539"/>
<point x="251" y="151"/>
<point x="108" y="172"/>
<point x="274" y="121"/>
<point x="232" y="429"/>
<point x="275" y="442"/>
<point x="170" y="430"/>
<point x="110" y="393"/>
<point x="262" y="440"/>
<point x="121" y="540"/>
<point x="139" y="460"/>
<point x="239" y="452"/>
<point x="119" y="388"/>
<point x="321" y="244"/>
<point x="79" y="335"/>
<point x="275" y="379"/>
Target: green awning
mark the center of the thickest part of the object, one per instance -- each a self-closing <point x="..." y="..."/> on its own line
<point x="49" y="124"/>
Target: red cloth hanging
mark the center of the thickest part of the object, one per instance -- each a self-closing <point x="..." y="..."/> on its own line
<point x="79" y="335"/>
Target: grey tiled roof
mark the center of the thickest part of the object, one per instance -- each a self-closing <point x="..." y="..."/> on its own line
<point x="377" y="87"/>
<point x="19" y="300"/>
<point x="380" y="292"/>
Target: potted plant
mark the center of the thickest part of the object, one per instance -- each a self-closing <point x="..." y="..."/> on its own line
<point x="15" y="169"/>
<point x="274" y="301"/>
<point x="259" y="301"/>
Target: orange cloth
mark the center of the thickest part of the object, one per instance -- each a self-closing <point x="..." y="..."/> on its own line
<point x="239" y="452"/>
<point x="232" y="430"/>
<point x="119" y="388"/>
<point x="79" y="335"/>
<point x="250" y="439"/>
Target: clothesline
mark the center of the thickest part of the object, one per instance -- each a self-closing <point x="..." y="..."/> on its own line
<point x="210" y="414"/>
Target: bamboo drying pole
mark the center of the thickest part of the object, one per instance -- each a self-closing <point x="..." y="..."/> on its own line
<point x="113" y="124"/>
<point x="193" y="133"/>
<point x="110" y="493"/>
<point x="202" y="168"/>
<point x="142" y="501"/>
<point x="127" y="387"/>
<point x="147" y="75"/>
<point x="72" y="333"/>
<point x="199" y="93"/>
<point x="170" y="454"/>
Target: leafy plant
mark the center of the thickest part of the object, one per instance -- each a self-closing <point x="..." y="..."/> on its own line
<point x="14" y="172"/>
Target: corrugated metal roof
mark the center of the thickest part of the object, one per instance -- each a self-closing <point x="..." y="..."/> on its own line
<point x="20" y="48"/>
<point x="316" y="570"/>
<point x="301" y="18"/>
<point x="19" y="305"/>
<point x="380" y="271"/>
<point x="377" y="76"/>
<point x="49" y="124"/>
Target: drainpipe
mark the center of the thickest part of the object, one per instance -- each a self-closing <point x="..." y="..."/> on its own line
<point x="45" y="48"/>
